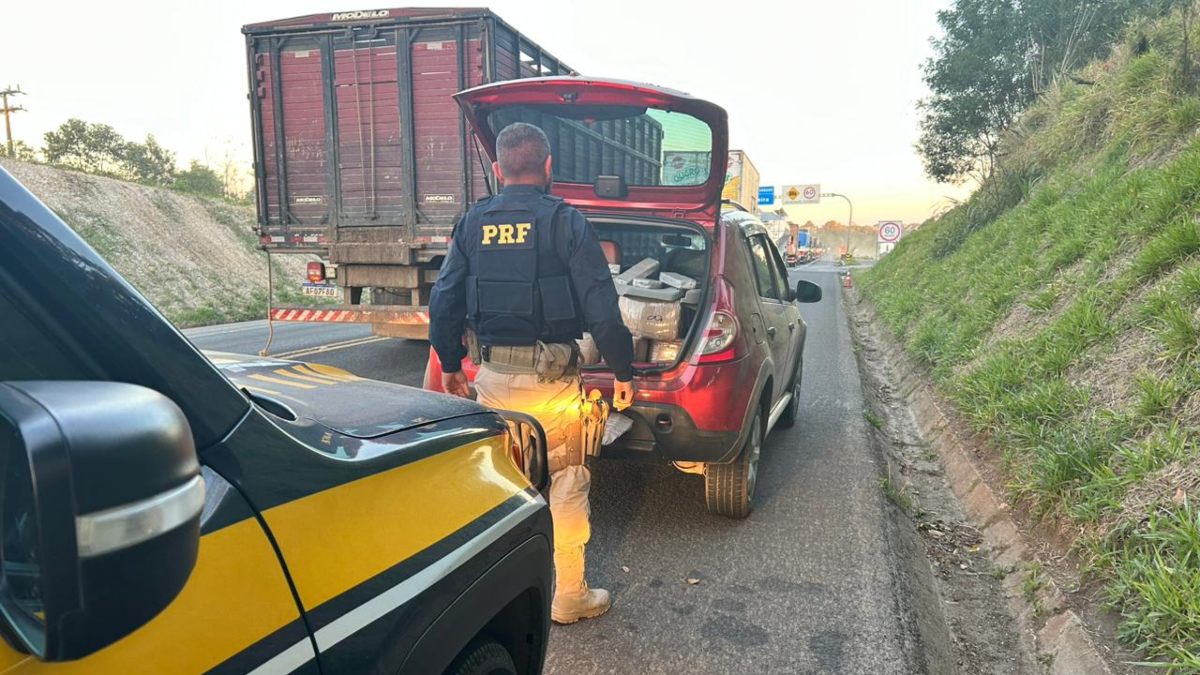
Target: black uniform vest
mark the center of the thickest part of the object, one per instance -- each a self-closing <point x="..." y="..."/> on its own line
<point x="519" y="291"/>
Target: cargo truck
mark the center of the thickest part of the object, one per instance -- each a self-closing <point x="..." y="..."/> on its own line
<point x="741" y="181"/>
<point x="363" y="158"/>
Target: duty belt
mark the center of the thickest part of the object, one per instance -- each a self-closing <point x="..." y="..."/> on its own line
<point x="524" y="356"/>
<point x="549" y="361"/>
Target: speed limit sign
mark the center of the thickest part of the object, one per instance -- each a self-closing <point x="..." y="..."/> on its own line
<point x="802" y="194"/>
<point x="890" y="231"/>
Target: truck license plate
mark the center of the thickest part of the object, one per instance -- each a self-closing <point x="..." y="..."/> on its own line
<point x="319" y="290"/>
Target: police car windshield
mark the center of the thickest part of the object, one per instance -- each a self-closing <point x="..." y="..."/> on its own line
<point x="645" y="147"/>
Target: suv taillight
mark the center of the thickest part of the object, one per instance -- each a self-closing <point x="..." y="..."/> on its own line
<point x="719" y="342"/>
<point x="718" y="338"/>
<point x="316" y="272"/>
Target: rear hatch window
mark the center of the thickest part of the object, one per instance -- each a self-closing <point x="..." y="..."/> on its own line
<point x="616" y="145"/>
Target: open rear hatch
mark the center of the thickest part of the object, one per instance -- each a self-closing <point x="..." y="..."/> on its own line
<point x="616" y="145"/>
<point x="647" y="166"/>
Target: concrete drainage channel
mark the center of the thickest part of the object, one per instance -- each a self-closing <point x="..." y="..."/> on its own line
<point x="982" y="603"/>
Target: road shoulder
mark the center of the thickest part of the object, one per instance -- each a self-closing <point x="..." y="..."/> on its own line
<point x="987" y="608"/>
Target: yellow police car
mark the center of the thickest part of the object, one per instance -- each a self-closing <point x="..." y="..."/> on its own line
<point x="162" y="514"/>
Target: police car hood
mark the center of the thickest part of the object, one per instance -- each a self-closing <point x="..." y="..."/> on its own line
<point x="336" y="399"/>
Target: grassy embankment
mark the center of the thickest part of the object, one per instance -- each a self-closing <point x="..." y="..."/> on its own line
<point x="197" y="295"/>
<point x="1058" y="307"/>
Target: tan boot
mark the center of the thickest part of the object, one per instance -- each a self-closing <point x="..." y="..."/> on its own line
<point x="573" y="600"/>
<point x="569" y="609"/>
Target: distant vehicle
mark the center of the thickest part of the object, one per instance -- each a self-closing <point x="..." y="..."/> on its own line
<point x="719" y="334"/>
<point x="157" y="517"/>
<point x="741" y="180"/>
<point x="363" y="158"/>
<point x="798" y="251"/>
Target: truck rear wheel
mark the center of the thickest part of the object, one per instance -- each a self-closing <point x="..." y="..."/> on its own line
<point x="729" y="488"/>
<point x="483" y="657"/>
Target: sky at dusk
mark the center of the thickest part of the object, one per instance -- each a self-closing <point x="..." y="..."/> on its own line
<point x="817" y="92"/>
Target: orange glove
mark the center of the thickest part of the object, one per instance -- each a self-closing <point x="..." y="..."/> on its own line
<point x="623" y="394"/>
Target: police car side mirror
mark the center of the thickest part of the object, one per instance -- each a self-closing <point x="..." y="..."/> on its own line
<point x="807" y="291"/>
<point x="100" y="501"/>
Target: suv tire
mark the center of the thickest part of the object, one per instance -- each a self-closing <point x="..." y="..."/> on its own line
<point x="790" y="414"/>
<point x="483" y="657"/>
<point x="729" y="488"/>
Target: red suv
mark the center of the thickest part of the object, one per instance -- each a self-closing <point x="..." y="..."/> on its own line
<point x="718" y="333"/>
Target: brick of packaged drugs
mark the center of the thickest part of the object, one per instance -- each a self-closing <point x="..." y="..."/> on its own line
<point x="651" y="319"/>
<point x="646" y="268"/>
<point x="693" y="296"/>
<point x="614" y="268"/>
<point x="658" y="294"/>
<point x="665" y="351"/>
<point x="641" y="350"/>
<point x="648" y="283"/>
<point x="677" y="280"/>
<point x="589" y="353"/>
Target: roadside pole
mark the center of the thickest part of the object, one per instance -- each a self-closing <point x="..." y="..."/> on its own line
<point x="850" y="220"/>
<point x="8" y="110"/>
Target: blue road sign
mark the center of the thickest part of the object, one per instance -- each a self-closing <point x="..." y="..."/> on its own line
<point x="766" y="195"/>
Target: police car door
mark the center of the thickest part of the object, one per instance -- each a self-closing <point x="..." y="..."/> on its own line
<point x="236" y="608"/>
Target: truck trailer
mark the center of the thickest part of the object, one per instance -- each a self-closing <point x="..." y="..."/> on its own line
<point x="741" y="181"/>
<point x="363" y="158"/>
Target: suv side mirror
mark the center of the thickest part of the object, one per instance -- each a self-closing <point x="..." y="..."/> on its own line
<point x="807" y="291"/>
<point x="100" y="501"/>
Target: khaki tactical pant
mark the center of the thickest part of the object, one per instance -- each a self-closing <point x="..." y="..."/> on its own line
<point x="555" y="405"/>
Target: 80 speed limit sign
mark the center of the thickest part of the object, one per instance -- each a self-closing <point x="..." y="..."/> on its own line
<point x="890" y="231"/>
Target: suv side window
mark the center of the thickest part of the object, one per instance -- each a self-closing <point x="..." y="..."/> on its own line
<point x="779" y="272"/>
<point x="764" y="274"/>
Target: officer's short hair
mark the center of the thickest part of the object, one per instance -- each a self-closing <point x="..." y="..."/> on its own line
<point x="521" y="150"/>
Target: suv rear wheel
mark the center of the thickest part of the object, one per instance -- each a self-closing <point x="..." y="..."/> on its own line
<point x="792" y="412"/>
<point x="729" y="488"/>
<point x="483" y="657"/>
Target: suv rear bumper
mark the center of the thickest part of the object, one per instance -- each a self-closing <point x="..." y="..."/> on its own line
<point x="669" y="432"/>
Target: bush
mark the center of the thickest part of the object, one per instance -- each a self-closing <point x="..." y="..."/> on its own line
<point x="201" y="180"/>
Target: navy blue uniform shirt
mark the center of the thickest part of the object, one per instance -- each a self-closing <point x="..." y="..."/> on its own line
<point x="591" y="281"/>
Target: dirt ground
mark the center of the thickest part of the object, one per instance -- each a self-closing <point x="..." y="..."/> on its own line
<point x="195" y="258"/>
<point x="984" y="636"/>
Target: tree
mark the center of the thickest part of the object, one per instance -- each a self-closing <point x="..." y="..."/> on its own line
<point x="96" y="148"/>
<point x="200" y="179"/>
<point x="149" y="162"/>
<point x="21" y="151"/>
<point x="993" y="59"/>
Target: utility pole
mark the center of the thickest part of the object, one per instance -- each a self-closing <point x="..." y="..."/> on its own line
<point x="8" y="110"/>
<point x="848" y="222"/>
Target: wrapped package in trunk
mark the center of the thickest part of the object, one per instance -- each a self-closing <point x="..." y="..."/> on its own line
<point x="589" y="353"/>
<point x="641" y="349"/>
<point x="644" y="269"/>
<point x="665" y="351"/>
<point x="676" y="280"/>
<point x="648" y="283"/>
<point x="655" y="320"/>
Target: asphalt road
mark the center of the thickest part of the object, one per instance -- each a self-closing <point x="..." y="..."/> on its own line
<point x="805" y="585"/>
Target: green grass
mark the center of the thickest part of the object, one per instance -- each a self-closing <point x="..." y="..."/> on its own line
<point x="1090" y="230"/>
